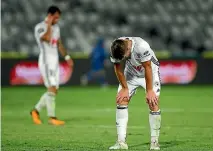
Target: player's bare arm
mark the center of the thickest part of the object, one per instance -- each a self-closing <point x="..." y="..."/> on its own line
<point x="150" y="95"/>
<point x="63" y="52"/>
<point x="123" y="94"/>
<point x="47" y="36"/>
<point x="61" y="48"/>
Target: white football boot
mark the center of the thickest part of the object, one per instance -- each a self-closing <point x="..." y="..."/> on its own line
<point x="119" y="145"/>
<point x="154" y="146"/>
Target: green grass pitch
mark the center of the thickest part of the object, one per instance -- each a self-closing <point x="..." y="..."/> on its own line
<point x="187" y="120"/>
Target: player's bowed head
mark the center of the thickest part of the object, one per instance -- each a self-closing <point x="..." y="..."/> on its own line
<point x="53" y="15"/>
<point x="120" y="49"/>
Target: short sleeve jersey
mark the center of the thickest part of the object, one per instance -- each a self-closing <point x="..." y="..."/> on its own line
<point x="140" y="52"/>
<point x="48" y="51"/>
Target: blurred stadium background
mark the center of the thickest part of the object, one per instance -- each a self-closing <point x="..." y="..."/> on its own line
<point x="181" y="27"/>
<point x="180" y="32"/>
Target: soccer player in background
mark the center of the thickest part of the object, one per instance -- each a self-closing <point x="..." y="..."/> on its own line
<point x="47" y="34"/>
<point x="98" y="61"/>
<point x="141" y="69"/>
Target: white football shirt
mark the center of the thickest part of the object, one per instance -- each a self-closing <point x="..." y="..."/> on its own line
<point x="48" y="51"/>
<point x="140" y="52"/>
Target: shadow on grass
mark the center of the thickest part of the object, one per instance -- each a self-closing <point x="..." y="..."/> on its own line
<point x="171" y="143"/>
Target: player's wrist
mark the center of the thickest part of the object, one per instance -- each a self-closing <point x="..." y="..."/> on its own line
<point x="125" y="88"/>
<point x="67" y="57"/>
<point x="149" y="90"/>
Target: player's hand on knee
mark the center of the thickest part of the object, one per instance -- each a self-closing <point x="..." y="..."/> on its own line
<point x="122" y="95"/>
<point x="151" y="98"/>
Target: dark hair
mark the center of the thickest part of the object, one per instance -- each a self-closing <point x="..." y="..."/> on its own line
<point x="53" y="9"/>
<point x="118" y="49"/>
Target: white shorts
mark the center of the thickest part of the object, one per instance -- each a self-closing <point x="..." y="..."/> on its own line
<point x="50" y="75"/>
<point x="134" y="82"/>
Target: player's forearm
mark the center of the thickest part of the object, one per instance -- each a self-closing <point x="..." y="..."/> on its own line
<point x="61" y="48"/>
<point x="148" y="74"/>
<point x="47" y="36"/>
<point x="62" y="51"/>
<point x="148" y="77"/>
<point x="120" y="76"/>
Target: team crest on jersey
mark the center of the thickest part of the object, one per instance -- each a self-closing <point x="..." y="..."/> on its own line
<point x="138" y="57"/>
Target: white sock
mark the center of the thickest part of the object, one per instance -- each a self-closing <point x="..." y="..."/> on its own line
<point x="121" y="122"/>
<point x="155" y="124"/>
<point x="41" y="103"/>
<point x="50" y="102"/>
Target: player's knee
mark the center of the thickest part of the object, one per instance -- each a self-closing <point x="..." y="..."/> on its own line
<point x="125" y="101"/>
<point x="154" y="107"/>
<point x="53" y="89"/>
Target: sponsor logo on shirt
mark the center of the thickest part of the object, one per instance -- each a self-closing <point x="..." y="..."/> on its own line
<point x="138" y="57"/>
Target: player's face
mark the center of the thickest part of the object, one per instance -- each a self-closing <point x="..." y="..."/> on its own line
<point x="56" y="18"/>
<point x="127" y="51"/>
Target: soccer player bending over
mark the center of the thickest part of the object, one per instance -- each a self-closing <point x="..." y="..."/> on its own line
<point x="47" y="34"/>
<point x="141" y="69"/>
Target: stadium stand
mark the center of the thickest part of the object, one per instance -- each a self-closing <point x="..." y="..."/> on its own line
<point x="181" y="26"/>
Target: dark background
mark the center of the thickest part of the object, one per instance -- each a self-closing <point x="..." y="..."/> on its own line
<point x="82" y="66"/>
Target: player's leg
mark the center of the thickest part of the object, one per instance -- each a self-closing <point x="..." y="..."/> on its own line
<point x="38" y="107"/>
<point x="86" y="78"/>
<point x="101" y="77"/>
<point x="51" y="81"/>
<point x="155" y="114"/>
<point x="122" y="118"/>
<point x="42" y="102"/>
<point x="98" y="75"/>
<point x="52" y="90"/>
<point x="155" y="125"/>
<point x="50" y="101"/>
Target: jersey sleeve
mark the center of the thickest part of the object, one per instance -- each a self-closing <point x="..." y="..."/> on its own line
<point x="40" y="30"/>
<point x="145" y="52"/>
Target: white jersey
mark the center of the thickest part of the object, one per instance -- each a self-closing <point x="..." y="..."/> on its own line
<point x="140" y="52"/>
<point x="48" y="57"/>
<point x="48" y="51"/>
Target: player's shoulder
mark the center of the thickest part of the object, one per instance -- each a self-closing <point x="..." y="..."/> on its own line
<point x="141" y="42"/>
<point x="40" y="25"/>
